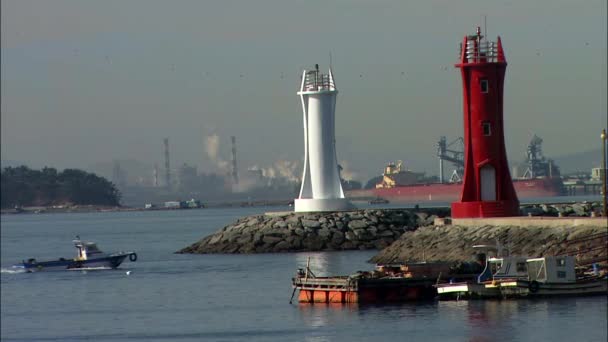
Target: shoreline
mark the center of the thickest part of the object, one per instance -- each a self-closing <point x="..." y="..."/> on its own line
<point x="101" y="208"/>
<point x="572" y="208"/>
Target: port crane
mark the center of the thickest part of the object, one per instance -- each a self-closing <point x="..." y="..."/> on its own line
<point x="537" y="164"/>
<point x="453" y="153"/>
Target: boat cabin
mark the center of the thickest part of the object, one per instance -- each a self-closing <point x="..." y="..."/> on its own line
<point x="552" y="269"/>
<point x="504" y="268"/>
<point x="85" y="249"/>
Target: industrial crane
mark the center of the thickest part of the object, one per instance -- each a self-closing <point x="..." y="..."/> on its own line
<point x="453" y="153"/>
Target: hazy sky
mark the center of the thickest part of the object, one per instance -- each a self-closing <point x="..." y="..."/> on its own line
<point x="92" y="81"/>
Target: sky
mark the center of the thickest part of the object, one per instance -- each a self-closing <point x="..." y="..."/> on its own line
<point x="84" y="82"/>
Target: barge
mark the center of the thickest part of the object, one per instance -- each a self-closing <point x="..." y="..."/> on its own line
<point x="387" y="283"/>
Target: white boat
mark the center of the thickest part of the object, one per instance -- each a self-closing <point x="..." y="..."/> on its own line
<point x="517" y="276"/>
<point x="498" y="268"/>
<point x="553" y="276"/>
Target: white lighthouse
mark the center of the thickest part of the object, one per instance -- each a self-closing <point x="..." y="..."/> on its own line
<point x="321" y="188"/>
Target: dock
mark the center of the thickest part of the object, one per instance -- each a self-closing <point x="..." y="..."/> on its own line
<point x="527" y="221"/>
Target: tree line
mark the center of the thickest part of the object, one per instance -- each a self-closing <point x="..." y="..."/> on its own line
<point x="22" y="187"/>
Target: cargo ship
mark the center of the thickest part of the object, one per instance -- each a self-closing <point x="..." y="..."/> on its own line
<point x="540" y="179"/>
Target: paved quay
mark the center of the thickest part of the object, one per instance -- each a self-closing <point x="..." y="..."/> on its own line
<point x="527" y="221"/>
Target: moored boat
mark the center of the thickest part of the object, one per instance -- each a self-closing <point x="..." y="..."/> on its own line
<point x="388" y="283"/>
<point x="88" y="256"/>
<point x="499" y="267"/>
<point x="554" y="276"/>
<point x="518" y="277"/>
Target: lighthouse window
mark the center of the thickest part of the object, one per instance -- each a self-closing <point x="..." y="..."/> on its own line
<point x="484" y="86"/>
<point x="487" y="128"/>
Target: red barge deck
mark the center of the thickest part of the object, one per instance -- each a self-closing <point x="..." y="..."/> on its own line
<point x="393" y="283"/>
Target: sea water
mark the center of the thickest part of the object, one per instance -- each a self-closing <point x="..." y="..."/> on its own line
<point x="174" y="297"/>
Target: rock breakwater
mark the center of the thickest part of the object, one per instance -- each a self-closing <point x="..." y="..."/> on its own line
<point x="579" y="209"/>
<point x="294" y="232"/>
<point x="454" y="243"/>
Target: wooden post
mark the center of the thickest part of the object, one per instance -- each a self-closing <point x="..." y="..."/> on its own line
<point x="307" y="269"/>
<point x="603" y="171"/>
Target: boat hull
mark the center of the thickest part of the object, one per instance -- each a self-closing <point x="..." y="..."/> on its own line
<point x="466" y="290"/>
<point x="380" y="290"/>
<point x="436" y="192"/>
<point x="108" y="261"/>
<point x="524" y="288"/>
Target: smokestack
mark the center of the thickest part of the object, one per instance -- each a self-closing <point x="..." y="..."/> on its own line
<point x="235" y="174"/>
<point x="155" y="175"/>
<point x="167" y="165"/>
<point x="117" y="175"/>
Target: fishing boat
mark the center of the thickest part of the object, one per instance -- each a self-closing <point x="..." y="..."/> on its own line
<point x="88" y="256"/>
<point x="554" y="276"/>
<point x="500" y="267"/>
<point x="379" y="201"/>
<point x="517" y="277"/>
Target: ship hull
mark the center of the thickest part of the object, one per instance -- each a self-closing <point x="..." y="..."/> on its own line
<point x="110" y="261"/>
<point x="381" y="290"/>
<point x="436" y="192"/>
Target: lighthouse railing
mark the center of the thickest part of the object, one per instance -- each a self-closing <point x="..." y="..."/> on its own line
<point x="316" y="82"/>
<point x="480" y="51"/>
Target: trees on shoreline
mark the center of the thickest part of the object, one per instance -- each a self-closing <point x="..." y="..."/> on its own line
<point x="22" y="186"/>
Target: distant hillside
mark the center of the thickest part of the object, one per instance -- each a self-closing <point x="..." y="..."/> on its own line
<point x="25" y="187"/>
<point x="11" y="163"/>
<point x="582" y="161"/>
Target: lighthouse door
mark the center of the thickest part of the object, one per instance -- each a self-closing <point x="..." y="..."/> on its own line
<point x="488" y="183"/>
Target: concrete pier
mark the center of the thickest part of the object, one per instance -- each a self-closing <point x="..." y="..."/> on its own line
<point x="528" y="221"/>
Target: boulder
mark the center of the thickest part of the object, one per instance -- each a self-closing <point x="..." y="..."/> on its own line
<point x="324" y="233"/>
<point x="271" y="240"/>
<point x="310" y="223"/>
<point x="280" y="224"/>
<point x="253" y="222"/>
<point x="357" y="224"/>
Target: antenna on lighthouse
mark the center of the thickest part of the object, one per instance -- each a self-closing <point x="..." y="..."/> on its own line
<point x="485" y="26"/>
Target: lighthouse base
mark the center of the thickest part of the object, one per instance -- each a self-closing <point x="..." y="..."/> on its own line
<point x="485" y="209"/>
<point x="330" y="204"/>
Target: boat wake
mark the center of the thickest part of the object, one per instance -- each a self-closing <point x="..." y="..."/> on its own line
<point x="90" y="269"/>
<point x="12" y="270"/>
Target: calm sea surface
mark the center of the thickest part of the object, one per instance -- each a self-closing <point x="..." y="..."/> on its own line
<point x="171" y="297"/>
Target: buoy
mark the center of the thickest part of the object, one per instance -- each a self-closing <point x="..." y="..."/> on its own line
<point x="128" y="272"/>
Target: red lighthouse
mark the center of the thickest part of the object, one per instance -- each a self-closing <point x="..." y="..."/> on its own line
<point x="487" y="189"/>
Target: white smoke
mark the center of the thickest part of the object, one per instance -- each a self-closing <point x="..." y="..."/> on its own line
<point x="212" y="147"/>
<point x="285" y="169"/>
<point x="347" y="173"/>
<point x="269" y="172"/>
